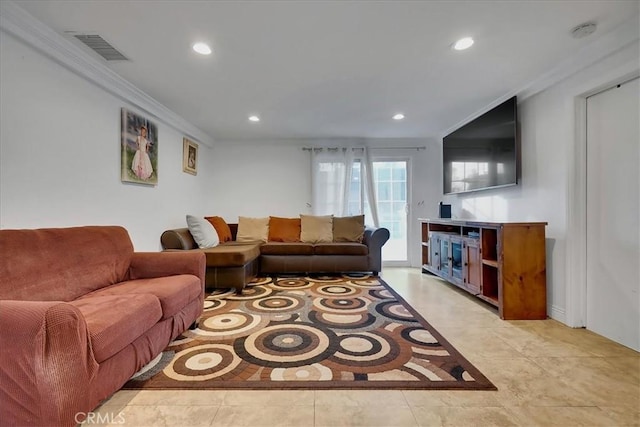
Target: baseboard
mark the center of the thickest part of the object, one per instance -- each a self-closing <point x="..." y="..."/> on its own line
<point x="558" y="314"/>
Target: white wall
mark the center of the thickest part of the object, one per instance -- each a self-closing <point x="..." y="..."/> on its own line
<point x="60" y="156"/>
<point x="547" y="127"/>
<point x="258" y="180"/>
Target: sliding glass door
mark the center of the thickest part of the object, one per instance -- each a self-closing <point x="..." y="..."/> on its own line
<point x="391" y="187"/>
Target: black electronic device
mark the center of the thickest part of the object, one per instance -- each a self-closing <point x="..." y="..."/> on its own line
<point x="483" y="153"/>
<point x="444" y="211"/>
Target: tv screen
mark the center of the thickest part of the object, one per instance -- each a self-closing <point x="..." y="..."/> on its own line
<point x="482" y="154"/>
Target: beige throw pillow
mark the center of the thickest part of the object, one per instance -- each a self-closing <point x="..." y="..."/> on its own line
<point x="252" y="229"/>
<point x="316" y="229"/>
<point x="348" y="229"/>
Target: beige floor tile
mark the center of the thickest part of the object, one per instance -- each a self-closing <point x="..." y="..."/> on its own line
<point x="459" y="417"/>
<point x="169" y="416"/>
<point x="624" y="415"/>
<point x="121" y="398"/>
<point x="504" y="370"/>
<point x="537" y="392"/>
<point x="563" y="416"/>
<point x="381" y="415"/>
<point x="179" y="398"/>
<point x="529" y="342"/>
<point x="630" y="366"/>
<point x="259" y="415"/>
<point x="594" y="381"/>
<point x="269" y="397"/>
<point x="463" y="398"/>
<point x="594" y="344"/>
<point x="359" y="397"/>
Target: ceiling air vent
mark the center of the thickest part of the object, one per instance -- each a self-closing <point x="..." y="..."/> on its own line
<point x="101" y="47"/>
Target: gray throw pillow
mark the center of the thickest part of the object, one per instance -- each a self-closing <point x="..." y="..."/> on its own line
<point x="203" y="232"/>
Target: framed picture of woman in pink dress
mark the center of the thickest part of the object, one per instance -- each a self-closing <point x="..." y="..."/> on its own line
<point x="139" y="151"/>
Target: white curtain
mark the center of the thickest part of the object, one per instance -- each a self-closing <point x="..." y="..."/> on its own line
<point x="333" y="179"/>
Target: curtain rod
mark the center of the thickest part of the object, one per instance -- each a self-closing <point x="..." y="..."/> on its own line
<point x="362" y="148"/>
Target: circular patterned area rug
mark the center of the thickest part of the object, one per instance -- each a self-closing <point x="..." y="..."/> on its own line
<point x="310" y="332"/>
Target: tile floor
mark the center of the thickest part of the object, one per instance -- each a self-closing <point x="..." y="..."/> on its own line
<point x="547" y="375"/>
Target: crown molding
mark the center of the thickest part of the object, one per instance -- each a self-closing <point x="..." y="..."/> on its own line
<point x="16" y="21"/>
<point x="602" y="47"/>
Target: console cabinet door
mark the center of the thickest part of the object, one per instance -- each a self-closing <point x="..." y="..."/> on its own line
<point x="472" y="265"/>
<point x="434" y="248"/>
<point x="445" y="255"/>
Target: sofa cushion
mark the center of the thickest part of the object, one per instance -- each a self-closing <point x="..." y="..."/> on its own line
<point x="286" y="248"/>
<point x="348" y="229"/>
<point x="232" y="254"/>
<point x="115" y="321"/>
<point x="62" y="264"/>
<point x="173" y="292"/>
<point x="203" y="232"/>
<point x="284" y="229"/>
<point x="316" y="229"/>
<point x="340" y="249"/>
<point x="252" y="229"/>
<point x="221" y="226"/>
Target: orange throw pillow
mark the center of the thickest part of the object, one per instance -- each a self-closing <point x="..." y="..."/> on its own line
<point x="284" y="229"/>
<point x="221" y="226"/>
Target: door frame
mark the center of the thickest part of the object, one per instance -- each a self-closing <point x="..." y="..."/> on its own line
<point x="407" y="159"/>
<point x="576" y="247"/>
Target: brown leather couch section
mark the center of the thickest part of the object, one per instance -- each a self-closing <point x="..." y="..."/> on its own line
<point x="228" y="255"/>
<point x="340" y="249"/>
<point x="278" y="248"/>
<point x="223" y="262"/>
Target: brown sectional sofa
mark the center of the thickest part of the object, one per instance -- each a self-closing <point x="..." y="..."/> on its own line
<point x="80" y="313"/>
<point x="233" y="264"/>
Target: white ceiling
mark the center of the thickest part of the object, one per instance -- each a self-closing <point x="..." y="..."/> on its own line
<point x="333" y="69"/>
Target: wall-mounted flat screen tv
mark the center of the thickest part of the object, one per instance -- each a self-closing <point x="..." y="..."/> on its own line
<point x="483" y="153"/>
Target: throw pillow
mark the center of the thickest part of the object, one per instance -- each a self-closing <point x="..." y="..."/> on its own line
<point x="316" y="229"/>
<point x="221" y="226"/>
<point x="348" y="229"/>
<point x="252" y="229"/>
<point x="203" y="232"/>
<point x="284" y="229"/>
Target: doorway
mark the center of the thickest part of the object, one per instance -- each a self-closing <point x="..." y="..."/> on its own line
<point x="612" y="214"/>
<point x="392" y="188"/>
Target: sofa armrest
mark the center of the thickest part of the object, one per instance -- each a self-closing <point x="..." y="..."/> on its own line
<point x="46" y="363"/>
<point x="375" y="238"/>
<point x="146" y="265"/>
<point x="179" y="238"/>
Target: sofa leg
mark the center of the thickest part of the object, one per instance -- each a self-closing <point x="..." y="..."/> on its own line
<point x="375" y="273"/>
<point x="194" y="325"/>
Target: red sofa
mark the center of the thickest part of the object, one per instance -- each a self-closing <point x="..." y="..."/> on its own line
<point x="80" y="313"/>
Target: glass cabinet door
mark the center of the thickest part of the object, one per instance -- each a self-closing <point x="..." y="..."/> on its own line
<point x="434" y="248"/>
<point x="444" y="254"/>
<point x="456" y="258"/>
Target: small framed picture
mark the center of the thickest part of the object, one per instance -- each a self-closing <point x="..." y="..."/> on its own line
<point x="189" y="156"/>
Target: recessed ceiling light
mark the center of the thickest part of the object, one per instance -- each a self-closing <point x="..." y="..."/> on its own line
<point x="202" y="48"/>
<point x="464" y="43"/>
<point x="254" y="118"/>
<point x="398" y="116"/>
